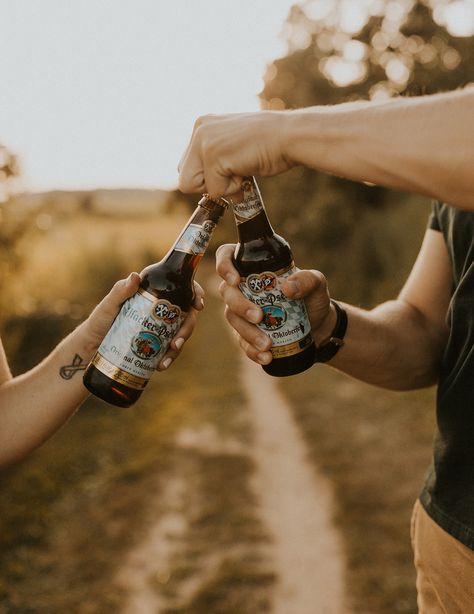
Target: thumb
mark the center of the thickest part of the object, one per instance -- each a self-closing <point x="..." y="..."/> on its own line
<point x="304" y="284"/>
<point x="110" y="305"/>
<point x="101" y="318"/>
<point x="120" y="292"/>
<point x="219" y="184"/>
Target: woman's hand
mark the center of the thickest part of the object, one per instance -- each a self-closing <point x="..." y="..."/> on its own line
<point x="102" y="317"/>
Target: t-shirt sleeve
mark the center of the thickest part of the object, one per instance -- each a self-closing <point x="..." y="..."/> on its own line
<point x="434" y="222"/>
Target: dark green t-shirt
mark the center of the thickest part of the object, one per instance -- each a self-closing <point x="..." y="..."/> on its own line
<point x="448" y="495"/>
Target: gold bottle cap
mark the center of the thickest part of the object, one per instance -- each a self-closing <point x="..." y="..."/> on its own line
<point x="219" y="201"/>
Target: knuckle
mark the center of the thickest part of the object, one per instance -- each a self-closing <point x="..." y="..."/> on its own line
<point x="118" y="285"/>
<point x="320" y="278"/>
<point x="202" y="120"/>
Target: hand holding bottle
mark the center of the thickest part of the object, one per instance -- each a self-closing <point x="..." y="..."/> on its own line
<point x="101" y="318"/>
<point x="148" y="332"/>
<point x="243" y="315"/>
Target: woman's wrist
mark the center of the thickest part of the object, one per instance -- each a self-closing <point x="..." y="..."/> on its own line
<point x="83" y="341"/>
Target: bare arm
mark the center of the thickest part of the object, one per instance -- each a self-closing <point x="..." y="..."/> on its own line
<point x="422" y="144"/>
<point x="397" y="345"/>
<point x="34" y="405"/>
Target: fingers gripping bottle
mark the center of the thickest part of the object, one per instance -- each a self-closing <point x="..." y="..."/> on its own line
<point x="142" y="331"/>
<point x="264" y="260"/>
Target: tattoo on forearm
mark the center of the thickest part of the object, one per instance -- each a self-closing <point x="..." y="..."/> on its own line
<point x="68" y="371"/>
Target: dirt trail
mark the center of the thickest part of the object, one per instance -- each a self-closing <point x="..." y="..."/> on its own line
<point x="296" y="505"/>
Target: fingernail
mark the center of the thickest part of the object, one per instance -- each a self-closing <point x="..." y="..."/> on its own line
<point x="262" y="342"/>
<point x="179" y="343"/>
<point x="166" y="362"/>
<point x="253" y="315"/>
<point x="202" y="303"/>
<point x="264" y="358"/>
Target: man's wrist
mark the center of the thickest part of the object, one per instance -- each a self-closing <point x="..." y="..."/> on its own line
<point x="308" y="134"/>
<point x="326" y="350"/>
<point x="323" y="332"/>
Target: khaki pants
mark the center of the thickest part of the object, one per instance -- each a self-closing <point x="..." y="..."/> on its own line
<point x="444" y="568"/>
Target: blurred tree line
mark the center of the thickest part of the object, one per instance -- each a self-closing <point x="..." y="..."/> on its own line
<point x="12" y="227"/>
<point x="364" y="238"/>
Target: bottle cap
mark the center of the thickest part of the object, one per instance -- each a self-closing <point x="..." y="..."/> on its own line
<point x="219" y="201"/>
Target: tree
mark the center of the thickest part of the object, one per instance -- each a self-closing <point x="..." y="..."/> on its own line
<point x="341" y="51"/>
<point x="9" y="170"/>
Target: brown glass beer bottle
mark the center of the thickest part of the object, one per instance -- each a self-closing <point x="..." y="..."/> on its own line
<point x="264" y="260"/>
<point x="142" y="331"/>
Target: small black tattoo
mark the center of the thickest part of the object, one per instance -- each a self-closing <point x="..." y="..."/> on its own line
<point x="68" y="371"/>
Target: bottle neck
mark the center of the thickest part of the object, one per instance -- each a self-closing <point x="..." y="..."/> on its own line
<point x="193" y="240"/>
<point x="250" y="215"/>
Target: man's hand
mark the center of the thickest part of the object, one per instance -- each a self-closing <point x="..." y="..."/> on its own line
<point x="243" y="315"/>
<point x="101" y="318"/>
<point x="368" y="141"/>
<point x="225" y="148"/>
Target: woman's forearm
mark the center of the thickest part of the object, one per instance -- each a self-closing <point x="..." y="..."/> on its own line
<point x="422" y="144"/>
<point x="35" y="404"/>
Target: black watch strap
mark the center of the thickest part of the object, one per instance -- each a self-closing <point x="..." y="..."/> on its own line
<point x="328" y="349"/>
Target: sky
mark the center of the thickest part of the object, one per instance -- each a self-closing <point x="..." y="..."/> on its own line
<point x="104" y="93"/>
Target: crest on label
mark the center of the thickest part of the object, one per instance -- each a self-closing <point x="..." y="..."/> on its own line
<point x="208" y="226"/>
<point x="261" y="282"/>
<point x="164" y="310"/>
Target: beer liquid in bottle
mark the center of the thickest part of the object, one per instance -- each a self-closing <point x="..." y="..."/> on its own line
<point x="148" y="321"/>
<point x="264" y="260"/>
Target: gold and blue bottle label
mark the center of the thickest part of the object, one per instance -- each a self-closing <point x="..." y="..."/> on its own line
<point x="138" y="339"/>
<point x="284" y="320"/>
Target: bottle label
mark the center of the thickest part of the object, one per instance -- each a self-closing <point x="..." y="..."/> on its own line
<point x="249" y="208"/>
<point x="285" y="321"/>
<point x="138" y="339"/>
<point x="195" y="238"/>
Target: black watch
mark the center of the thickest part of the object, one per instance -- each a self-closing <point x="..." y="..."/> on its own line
<point x="328" y="349"/>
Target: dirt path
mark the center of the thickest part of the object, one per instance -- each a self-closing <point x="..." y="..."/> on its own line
<point x="306" y="552"/>
<point x="296" y="505"/>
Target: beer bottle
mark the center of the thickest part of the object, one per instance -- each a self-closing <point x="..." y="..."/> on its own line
<point x="264" y="260"/>
<point x="142" y="331"/>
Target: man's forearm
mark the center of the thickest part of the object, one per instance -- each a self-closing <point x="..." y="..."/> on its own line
<point x="392" y="346"/>
<point x="34" y="405"/>
<point x="422" y="144"/>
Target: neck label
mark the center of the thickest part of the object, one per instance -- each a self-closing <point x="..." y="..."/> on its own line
<point x="195" y="238"/>
<point x="248" y="209"/>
